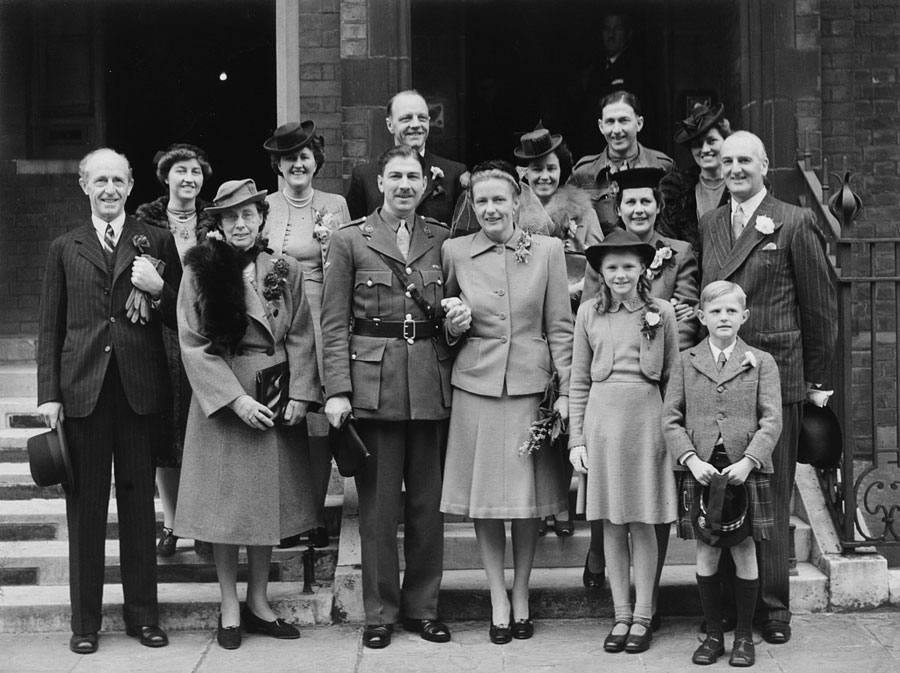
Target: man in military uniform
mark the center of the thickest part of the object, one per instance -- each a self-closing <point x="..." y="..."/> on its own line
<point x="387" y="361"/>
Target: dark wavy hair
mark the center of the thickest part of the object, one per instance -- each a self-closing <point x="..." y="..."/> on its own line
<point x="401" y="151"/>
<point x="316" y="144"/>
<point x="564" y="154"/>
<point x="170" y="156"/>
<point x="495" y="168"/>
<point x="620" y="96"/>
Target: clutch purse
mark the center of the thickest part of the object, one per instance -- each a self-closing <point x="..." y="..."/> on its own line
<point x="272" y="388"/>
<point x="349" y="452"/>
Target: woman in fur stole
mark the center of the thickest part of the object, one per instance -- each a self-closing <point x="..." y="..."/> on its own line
<point x="565" y="212"/>
<point x="182" y="170"/>
<point x="245" y="478"/>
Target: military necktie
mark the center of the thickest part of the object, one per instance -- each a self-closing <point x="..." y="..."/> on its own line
<point x="403" y="238"/>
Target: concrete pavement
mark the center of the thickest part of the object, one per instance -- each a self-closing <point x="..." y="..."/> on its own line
<point x="822" y="643"/>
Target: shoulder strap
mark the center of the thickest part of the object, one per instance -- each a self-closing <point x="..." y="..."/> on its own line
<point x="417" y="297"/>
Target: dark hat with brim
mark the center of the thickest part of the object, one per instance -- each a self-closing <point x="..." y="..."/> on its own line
<point x="291" y="137"/>
<point x="619" y="241"/>
<point x="48" y="456"/>
<point x="235" y="193"/>
<point x="701" y="120"/>
<point x="638" y="178"/>
<point x="821" y="439"/>
<point x="537" y="143"/>
<point x="721" y="515"/>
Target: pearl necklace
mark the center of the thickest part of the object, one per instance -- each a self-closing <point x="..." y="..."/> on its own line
<point x="298" y="203"/>
<point x="182" y="215"/>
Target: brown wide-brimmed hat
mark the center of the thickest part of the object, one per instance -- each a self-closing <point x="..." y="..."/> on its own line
<point x="700" y="121"/>
<point x="618" y="241"/>
<point x="291" y="137"/>
<point x="48" y="456"/>
<point x="235" y="193"/>
<point x="821" y="439"/>
<point x="537" y="143"/>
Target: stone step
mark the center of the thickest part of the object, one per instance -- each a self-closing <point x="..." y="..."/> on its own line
<point x="46" y="562"/>
<point x="16" y="484"/>
<point x="557" y="593"/>
<point x="45" y="519"/>
<point x="13" y="443"/>
<point x="18" y="379"/>
<point x="20" y="412"/>
<point x="183" y="606"/>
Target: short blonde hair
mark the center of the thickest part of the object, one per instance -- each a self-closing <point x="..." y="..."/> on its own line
<point x="719" y="288"/>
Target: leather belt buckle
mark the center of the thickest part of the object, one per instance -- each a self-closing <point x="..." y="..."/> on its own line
<point x="409" y="329"/>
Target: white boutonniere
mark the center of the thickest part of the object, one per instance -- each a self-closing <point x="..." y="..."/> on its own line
<point x="764" y="225"/>
<point x="214" y="235"/>
<point x="650" y="322"/>
<point x="749" y="360"/>
<point x="436" y="173"/>
<point x="664" y="257"/>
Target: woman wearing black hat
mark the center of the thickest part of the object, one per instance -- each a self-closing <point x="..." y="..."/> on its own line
<point x="299" y="224"/>
<point x="245" y="478"/>
<point x="690" y="194"/>
<point x="182" y="170"/>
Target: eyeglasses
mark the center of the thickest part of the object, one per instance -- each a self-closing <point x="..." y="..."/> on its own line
<point x="246" y="217"/>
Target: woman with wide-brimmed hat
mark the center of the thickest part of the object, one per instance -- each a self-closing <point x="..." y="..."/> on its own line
<point x="691" y="193"/>
<point x="300" y="221"/>
<point x="245" y="477"/>
<point x="182" y="170"/>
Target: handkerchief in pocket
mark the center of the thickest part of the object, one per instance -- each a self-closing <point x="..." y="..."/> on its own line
<point x="770" y="246"/>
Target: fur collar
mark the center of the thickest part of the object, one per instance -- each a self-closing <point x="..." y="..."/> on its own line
<point x="221" y="304"/>
<point x="567" y="203"/>
<point x="154" y="214"/>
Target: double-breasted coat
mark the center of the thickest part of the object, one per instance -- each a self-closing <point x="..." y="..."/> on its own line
<point x="240" y="485"/>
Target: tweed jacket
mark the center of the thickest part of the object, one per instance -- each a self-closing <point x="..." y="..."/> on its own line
<point x="83" y="322"/>
<point x="438" y="199"/>
<point x="741" y="403"/>
<point x="595" y="174"/>
<point x="593" y="354"/>
<point x="790" y="286"/>
<point x="521" y="321"/>
<point x="276" y="331"/>
<point x="386" y="379"/>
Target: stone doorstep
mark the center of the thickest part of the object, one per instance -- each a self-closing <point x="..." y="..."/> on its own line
<point x="20" y="412"/>
<point x="18" y="380"/>
<point x="50" y="558"/>
<point x="183" y="606"/>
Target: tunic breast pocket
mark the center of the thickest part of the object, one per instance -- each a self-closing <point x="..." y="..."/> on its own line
<point x="373" y="290"/>
<point x="433" y="279"/>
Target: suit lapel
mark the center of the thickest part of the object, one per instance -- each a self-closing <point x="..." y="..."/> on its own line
<point x="749" y="239"/>
<point x="421" y="241"/>
<point x="384" y="241"/>
<point x="430" y="183"/>
<point x="720" y="237"/>
<point x="125" y="250"/>
<point x="253" y="298"/>
<point x="702" y="361"/>
<point x="89" y="247"/>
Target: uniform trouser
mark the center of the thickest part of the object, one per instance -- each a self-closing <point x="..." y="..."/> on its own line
<point x="401" y="452"/>
<point x="112" y="434"/>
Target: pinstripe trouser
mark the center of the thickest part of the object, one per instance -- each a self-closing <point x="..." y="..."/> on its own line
<point x="112" y="434"/>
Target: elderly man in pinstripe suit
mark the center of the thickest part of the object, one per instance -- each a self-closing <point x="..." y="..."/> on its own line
<point x="103" y="370"/>
<point x="776" y="252"/>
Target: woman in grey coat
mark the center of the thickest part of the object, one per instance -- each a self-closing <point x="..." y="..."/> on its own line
<point x="245" y="476"/>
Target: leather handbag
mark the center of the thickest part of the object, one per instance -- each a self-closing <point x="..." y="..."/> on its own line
<point x="350" y="454"/>
<point x="272" y="388"/>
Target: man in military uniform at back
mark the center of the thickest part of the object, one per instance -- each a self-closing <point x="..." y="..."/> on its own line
<point x="387" y="362"/>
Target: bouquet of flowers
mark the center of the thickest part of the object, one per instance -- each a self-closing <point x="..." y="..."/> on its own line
<point x="549" y="424"/>
<point x="137" y="307"/>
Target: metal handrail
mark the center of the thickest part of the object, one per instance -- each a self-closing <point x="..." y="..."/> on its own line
<point x="819" y="190"/>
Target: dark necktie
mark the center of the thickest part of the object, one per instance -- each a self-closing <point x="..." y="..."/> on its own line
<point x="403" y="238"/>
<point x="721" y="360"/>
<point x="109" y="239"/>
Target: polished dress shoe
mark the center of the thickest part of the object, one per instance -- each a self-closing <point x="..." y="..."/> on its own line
<point x="430" y="629"/>
<point x="743" y="654"/>
<point x="636" y="643"/>
<point x="709" y="651"/>
<point x="522" y="629"/>
<point x="776" y="631"/>
<point x="167" y="543"/>
<point x="229" y="637"/>
<point x="277" y="628"/>
<point x="615" y="643"/>
<point x="565" y="528"/>
<point x="318" y="537"/>
<point x="500" y="634"/>
<point x="591" y="580"/>
<point x="83" y="644"/>
<point x="377" y="636"/>
<point x="150" y="636"/>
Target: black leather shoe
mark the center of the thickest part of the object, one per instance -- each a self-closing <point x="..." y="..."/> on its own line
<point x="83" y="644"/>
<point x="377" y="636"/>
<point x="638" y="643"/>
<point x="277" y="628"/>
<point x="318" y="537"/>
<point x="229" y="637"/>
<point x="776" y="632"/>
<point x="592" y="580"/>
<point x="709" y="652"/>
<point x="615" y="643"/>
<point x="743" y="654"/>
<point x="655" y="622"/>
<point x="565" y="528"/>
<point x="165" y="548"/>
<point x="150" y="636"/>
<point x="522" y="629"/>
<point x="430" y="629"/>
<point x="288" y="542"/>
<point x="500" y="635"/>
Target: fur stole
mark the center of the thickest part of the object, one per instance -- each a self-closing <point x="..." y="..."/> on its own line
<point x="154" y="213"/>
<point x="219" y="272"/>
<point x="567" y="203"/>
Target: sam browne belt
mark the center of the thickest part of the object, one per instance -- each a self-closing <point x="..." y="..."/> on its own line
<point x="408" y="329"/>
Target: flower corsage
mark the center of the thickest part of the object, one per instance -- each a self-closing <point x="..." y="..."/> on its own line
<point x="663" y="259"/>
<point x="274" y="283"/>
<point x="764" y="225"/>
<point x="523" y="247"/>
<point x="437" y="173"/>
<point x="650" y="322"/>
<point x="138" y="304"/>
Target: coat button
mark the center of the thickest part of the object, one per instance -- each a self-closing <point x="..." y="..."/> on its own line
<point x="504" y="339"/>
<point x="408" y="295"/>
<point x="721" y="417"/>
<point x="107" y="349"/>
<point x="270" y="351"/>
<point x="501" y="292"/>
<point x="353" y="356"/>
<point x="721" y="389"/>
<point x="499" y="249"/>
<point x="112" y="319"/>
<point x="369" y="283"/>
<point x="408" y="271"/>
<point x="440" y="282"/>
<point x="502" y="316"/>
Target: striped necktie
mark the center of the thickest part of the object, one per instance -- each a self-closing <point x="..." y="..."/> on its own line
<point x="403" y="238"/>
<point x="109" y="239"/>
<point x="737" y="223"/>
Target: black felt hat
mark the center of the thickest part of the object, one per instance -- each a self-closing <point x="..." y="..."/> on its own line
<point x="638" y="178"/>
<point x="537" y="143"/>
<point x="291" y="137"/>
<point x="701" y="120"/>
<point x="721" y="514"/>
<point x="821" y="439"/>
<point x="618" y="241"/>
<point x="48" y="456"/>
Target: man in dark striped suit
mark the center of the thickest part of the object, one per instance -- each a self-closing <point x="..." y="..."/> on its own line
<point x="103" y="370"/>
<point x="776" y="252"/>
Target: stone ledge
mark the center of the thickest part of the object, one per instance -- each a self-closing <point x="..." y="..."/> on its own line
<point x="856" y="581"/>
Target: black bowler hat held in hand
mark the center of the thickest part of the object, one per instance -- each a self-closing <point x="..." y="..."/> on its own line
<point x="821" y="439"/>
<point x="721" y="513"/>
<point x="48" y="456"/>
<point x="349" y="452"/>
